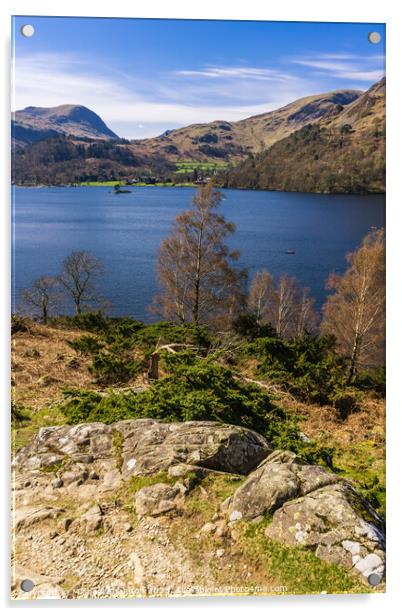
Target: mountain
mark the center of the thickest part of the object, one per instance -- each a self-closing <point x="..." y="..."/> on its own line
<point x="331" y="142"/>
<point x="340" y="153"/>
<point x="232" y="141"/>
<point x="34" y="124"/>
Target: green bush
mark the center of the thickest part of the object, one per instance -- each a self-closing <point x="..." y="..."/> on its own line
<point x="247" y="326"/>
<point x="19" y="414"/>
<point x="374" y="381"/>
<point x="198" y="389"/>
<point x="85" y="345"/>
<point x="110" y="369"/>
<point x="88" y="321"/>
<point x="307" y="367"/>
<point x="346" y="401"/>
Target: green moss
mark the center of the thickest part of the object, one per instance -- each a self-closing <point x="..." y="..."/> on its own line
<point x="364" y="464"/>
<point x="23" y="432"/>
<point x="136" y="483"/>
<point x="297" y="569"/>
<point x="55" y="466"/>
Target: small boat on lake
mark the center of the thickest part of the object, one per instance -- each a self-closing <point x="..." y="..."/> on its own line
<point x="119" y="191"/>
<point x="290" y="252"/>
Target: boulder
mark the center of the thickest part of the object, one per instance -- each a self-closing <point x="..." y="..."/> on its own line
<point x="278" y="479"/>
<point x="151" y="446"/>
<point x="338" y="524"/>
<point x="91" y="521"/>
<point x="143" y="447"/>
<point x="27" y="516"/>
<point x="157" y="499"/>
<point x="43" y="586"/>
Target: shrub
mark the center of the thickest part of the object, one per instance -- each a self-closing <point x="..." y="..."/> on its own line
<point x="198" y="389"/>
<point x="371" y="381"/>
<point x="346" y="401"/>
<point x="308" y="367"/>
<point x="18" y="324"/>
<point x="85" y="345"/>
<point x="89" y="321"/>
<point x="247" y="326"/>
<point x="19" y="414"/>
<point x="110" y="369"/>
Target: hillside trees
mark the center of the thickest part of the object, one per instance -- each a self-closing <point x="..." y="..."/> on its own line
<point x="80" y="271"/>
<point x="287" y="307"/>
<point x="196" y="269"/>
<point x="76" y="283"/>
<point x="43" y="297"/>
<point x="355" y="312"/>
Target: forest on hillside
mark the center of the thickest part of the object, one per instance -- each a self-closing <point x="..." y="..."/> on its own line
<point x="317" y="159"/>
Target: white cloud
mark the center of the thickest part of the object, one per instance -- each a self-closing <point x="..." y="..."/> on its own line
<point x="216" y="72"/>
<point x="346" y="66"/>
<point x="134" y="107"/>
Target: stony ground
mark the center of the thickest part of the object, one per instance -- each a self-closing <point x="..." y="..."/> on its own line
<point x="85" y="538"/>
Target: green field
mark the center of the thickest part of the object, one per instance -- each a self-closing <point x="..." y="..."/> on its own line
<point x="105" y="183"/>
<point x="189" y="166"/>
<point x="115" y="183"/>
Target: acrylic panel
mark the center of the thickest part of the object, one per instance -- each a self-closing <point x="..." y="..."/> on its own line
<point x="198" y="298"/>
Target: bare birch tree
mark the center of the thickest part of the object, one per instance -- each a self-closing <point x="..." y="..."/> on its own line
<point x="261" y="297"/>
<point x="43" y="297"/>
<point x="80" y="271"/>
<point x="307" y="319"/>
<point x="195" y="267"/>
<point x="355" y="313"/>
<point x="284" y="305"/>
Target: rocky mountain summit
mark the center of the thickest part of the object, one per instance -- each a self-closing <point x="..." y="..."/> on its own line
<point x="34" y="124"/>
<point x="142" y="507"/>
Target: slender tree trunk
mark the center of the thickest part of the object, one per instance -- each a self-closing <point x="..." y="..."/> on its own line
<point x="354" y="359"/>
<point x="196" y="307"/>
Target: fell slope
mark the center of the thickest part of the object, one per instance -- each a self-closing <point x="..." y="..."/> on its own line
<point x="344" y="153"/>
<point x="232" y="141"/>
<point x="36" y="123"/>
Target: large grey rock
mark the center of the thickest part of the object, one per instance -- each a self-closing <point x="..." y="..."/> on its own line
<point x="141" y="447"/>
<point x="338" y="524"/>
<point x="151" y="446"/>
<point x="157" y="499"/>
<point x="278" y="479"/>
<point x="312" y="508"/>
<point x="28" y="516"/>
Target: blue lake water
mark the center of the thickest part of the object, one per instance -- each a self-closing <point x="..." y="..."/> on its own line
<point x="125" y="231"/>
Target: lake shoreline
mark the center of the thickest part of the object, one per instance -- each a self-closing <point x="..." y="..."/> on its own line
<point x="190" y="185"/>
<point x="125" y="232"/>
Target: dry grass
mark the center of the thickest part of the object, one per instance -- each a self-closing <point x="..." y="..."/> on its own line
<point x="43" y="364"/>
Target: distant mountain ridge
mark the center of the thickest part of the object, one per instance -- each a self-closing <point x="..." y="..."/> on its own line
<point x="331" y="142"/>
<point x="33" y="124"/>
<point x="232" y="141"/>
<point x="344" y="153"/>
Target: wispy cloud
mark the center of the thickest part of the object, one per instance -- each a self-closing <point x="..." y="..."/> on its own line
<point x="242" y="72"/>
<point x="135" y="107"/>
<point x="345" y="66"/>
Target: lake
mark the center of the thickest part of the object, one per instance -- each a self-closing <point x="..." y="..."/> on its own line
<point x="125" y="231"/>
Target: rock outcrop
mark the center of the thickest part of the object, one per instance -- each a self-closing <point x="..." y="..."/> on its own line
<point x="312" y="508"/>
<point x="70" y="489"/>
<point x="141" y="447"/>
<point x="278" y="479"/>
<point x="337" y="524"/>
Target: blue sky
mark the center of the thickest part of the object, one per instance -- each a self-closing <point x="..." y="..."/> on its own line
<point x="145" y="76"/>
